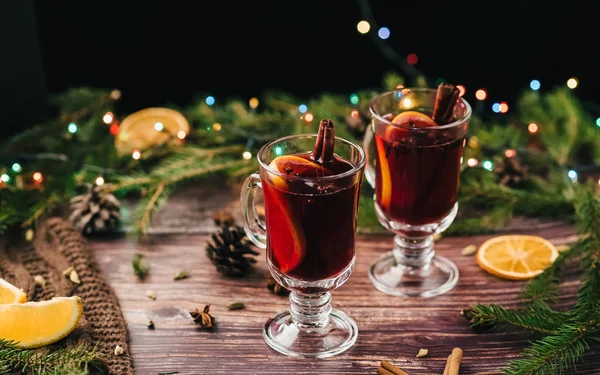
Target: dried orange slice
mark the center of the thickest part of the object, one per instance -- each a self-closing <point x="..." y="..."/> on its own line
<point x="35" y="324"/>
<point x="516" y="257"/>
<point x="413" y="119"/>
<point x="10" y="293"/>
<point x="294" y="165"/>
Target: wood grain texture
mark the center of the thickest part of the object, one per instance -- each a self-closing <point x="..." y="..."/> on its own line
<point x="391" y="328"/>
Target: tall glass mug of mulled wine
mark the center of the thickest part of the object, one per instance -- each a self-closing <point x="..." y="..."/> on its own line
<point x="417" y="137"/>
<point x="311" y="187"/>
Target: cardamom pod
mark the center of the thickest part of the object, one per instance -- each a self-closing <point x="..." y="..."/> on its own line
<point x="469" y="250"/>
<point x="29" y="235"/>
<point x="235" y="306"/>
<point x="422" y="353"/>
<point x="119" y="350"/>
<point x="149" y="323"/>
<point x="181" y="275"/>
<point x="150" y="294"/>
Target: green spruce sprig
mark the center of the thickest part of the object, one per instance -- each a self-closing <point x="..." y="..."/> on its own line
<point x="74" y="360"/>
<point x="566" y="336"/>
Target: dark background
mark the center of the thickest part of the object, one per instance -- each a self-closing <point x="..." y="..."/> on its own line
<point x="159" y="52"/>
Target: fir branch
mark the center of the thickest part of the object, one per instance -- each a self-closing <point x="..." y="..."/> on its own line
<point x="76" y="360"/>
<point x="148" y="207"/>
<point x="552" y="354"/>
<point x="542" y="320"/>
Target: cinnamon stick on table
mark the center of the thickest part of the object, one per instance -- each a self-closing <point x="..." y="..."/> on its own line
<point x="445" y="100"/>
<point x="325" y="143"/>
<point x="453" y="363"/>
<point x="386" y="368"/>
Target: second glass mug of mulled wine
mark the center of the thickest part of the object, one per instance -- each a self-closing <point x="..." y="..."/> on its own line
<point x="310" y="203"/>
<point x="414" y="150"/>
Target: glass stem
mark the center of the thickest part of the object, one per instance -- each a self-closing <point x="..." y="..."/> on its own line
<point x="414" y="252"/>
<point x="310" y="310"/>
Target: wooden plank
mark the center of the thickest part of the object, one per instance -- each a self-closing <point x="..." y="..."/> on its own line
<point x="390" y="328"/>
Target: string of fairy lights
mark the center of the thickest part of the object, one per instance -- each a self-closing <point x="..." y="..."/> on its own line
<point x="365" y="27"/>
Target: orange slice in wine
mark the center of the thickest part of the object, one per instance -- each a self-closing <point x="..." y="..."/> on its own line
<point x="411" y="119"/>
<point x="384" y="170"/>
<point x="294" y="165"/>
<point x="288" y="242"/>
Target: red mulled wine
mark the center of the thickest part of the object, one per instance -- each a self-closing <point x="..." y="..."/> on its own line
<point x="417" y="170"/>
<point x="311" y="224"/>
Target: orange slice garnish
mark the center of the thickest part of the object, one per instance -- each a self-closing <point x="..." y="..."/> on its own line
<point x="516" y="257"/>
<point x="384" y="171"/>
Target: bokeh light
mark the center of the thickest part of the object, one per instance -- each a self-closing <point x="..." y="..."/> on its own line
<point x="159" y="126"/>
<point x="253" y="103"/>
<point x="503" y="107"/>
<point x="383" y="32"/>
<point x="302" y="108"/>
<point x="488" y="165"/>
<point x="535" y="84"/>
<point x="99" y="180"/>
<point x="309" y="117"/>
<point x="412" y="58"/>
<point x="181" y="134"/>
<point x="217" y="127"/>
<point x="572" y="83"/>
<point x="462" y="90"/>
<point x="210" y="100"/>
<point x="496" y="107"/>
<point x="354" y="99"/>
<point x="481" y="94"/>
<point x="136" y="154"/>
<point x="510" y="153"/>
<point x="533" y="128"/>
<point x="247" y="155"/>
<point x="108" y="117"/>
<point x="472" y="162"/>
<point x="363" y="27"/>
<point x="72" y="128"/>
<point x="37" y="176"/>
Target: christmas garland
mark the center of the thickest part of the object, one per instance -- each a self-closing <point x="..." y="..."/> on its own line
<point x="527" y="164"/>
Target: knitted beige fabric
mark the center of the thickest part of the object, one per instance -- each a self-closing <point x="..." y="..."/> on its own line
<point x="56" y="247"/>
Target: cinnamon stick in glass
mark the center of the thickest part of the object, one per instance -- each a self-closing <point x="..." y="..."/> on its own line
<point x="445" y="100"/>
<point x="325" y="143"/>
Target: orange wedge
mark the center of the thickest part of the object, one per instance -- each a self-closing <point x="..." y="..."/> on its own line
<point x="35" y="324"/>
<point x="10" y="293"/>
<point x="413" y="119"/>
<point x="384" y="170"/>
<point x="516" y="257"/>
<point x="294" y="165"/>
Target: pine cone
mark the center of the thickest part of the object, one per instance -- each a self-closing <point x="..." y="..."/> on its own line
<point x="357" y="124"/>
<point x="510" y="172"/>
<point x="95" y="211"/>
<point x="223" y="218"/>
<point x="231" y="252"/>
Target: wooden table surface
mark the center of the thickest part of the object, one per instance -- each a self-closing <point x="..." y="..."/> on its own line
<point x="391" y="328"/>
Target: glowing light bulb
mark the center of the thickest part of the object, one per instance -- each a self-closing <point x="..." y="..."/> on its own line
<point x="278" y="150"/>
<point x="99" y="180"/>
<point x="114" y="129"/>
<point x="181" y="134"/>
<point x="363" y="27"/>
<point x="488" y="165"/>
<point x="572" y="83"/>
<point x="412" y="58"/>
<point x="572" y="175"/>
<point x="115" y="94"/>
<point x="37" y="176"/>
<point x="5" y="177"/>
<point x="108" y="117"/>
<point x="510" y="153"/>
<point x="247" y="155"/>
<point x="136" y="154"/>
<point x="217" y="127"/>
<point x="383" y="33"/>
<point x="481" y="94"/>
<point x="309" y="117"/>
<point x="535" y="85"/>
<point x="354" y="114"/>
<point x="472" y="162"/>
<point x="496" y="107"/>
<point x="210" y="100"/>
<point x="407" y="102"/>
<point x="533" y="128"/>
<point x="159" y="126"/>
<point x="72" y="128"/>
<point x="354" y="99"/>
<point x="253" y="103"/>
<point x="503" y="107"/>
<point x="598" y="121"/>
<point x="17" y="167"/>
<point x="302" y="108"/>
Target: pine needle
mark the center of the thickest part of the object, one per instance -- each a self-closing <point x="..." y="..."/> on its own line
<point x="76" y="360"/>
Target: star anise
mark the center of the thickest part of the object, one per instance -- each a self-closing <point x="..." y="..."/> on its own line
<point x="203" y="318"/>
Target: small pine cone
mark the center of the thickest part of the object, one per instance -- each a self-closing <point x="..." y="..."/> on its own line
<point x="223" y="218"/>
<point x="231" y="252"/>
<point x="95" y="211"/>
<point x="509" y="171"/>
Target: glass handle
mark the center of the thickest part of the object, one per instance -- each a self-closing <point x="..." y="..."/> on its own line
<point x="255" y="229"/>
<point x="368" y="147"/>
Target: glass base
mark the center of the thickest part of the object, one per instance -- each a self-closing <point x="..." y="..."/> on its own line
<point x="390" y="277"/>
<point x="329" y="339"/>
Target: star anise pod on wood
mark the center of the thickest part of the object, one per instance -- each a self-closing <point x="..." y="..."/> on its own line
<point x="203" y="318"/>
